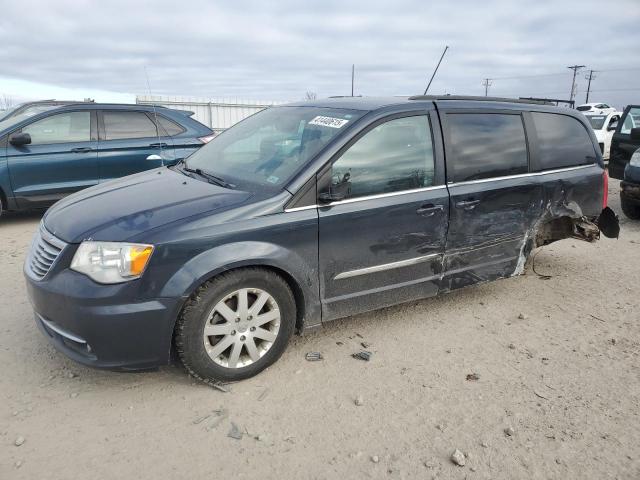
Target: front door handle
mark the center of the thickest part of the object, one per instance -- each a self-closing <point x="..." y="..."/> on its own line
<point x="467" y="204"/>
<point x="429" y="209"/>
<point x="81" y="150"/>
<point x="158" y="145"/>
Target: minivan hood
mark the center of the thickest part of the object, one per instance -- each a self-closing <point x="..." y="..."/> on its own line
<point x="121" y="209"/>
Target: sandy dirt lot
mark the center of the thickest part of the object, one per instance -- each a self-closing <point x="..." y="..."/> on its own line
<point x="557" y="394"/>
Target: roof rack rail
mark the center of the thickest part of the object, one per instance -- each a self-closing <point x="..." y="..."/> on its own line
<point x="478" y="99"/>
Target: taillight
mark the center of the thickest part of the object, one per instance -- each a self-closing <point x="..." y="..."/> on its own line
<point x="605" y="188"/>
<point x="206" y="139"/>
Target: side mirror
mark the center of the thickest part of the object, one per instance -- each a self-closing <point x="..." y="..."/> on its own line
<point x="19" y="139"/>
<point x="328" y="197"/>
<point x="635" y="134"/>
<point x="612" y="127"/>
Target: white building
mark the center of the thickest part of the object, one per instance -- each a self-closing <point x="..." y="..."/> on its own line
<point x="216" y="113"/>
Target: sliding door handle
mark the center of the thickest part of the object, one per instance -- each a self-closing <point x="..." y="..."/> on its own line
<point x="467" y="204"/>
<point x="429" y="209"/>
<point x="158" y="145"/>
<point x="81" y="150"/>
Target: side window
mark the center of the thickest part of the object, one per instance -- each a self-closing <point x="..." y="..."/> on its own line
<point x="122" y="124"/>
<point x="562" y="141"/>
<point x="631" y="120"/>
<point x="61" y="128"/>
<point x="394" y="156"/>
<point x="486" y="145"/>
<point x="170" y="128"/>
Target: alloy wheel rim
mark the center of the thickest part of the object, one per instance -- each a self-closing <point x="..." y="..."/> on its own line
<point x="241" y="328"/>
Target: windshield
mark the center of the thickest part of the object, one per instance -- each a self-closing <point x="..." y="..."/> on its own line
<point x="597" y="121"/>
<point x="19" y="115"/>
<point x="265" y="150"/>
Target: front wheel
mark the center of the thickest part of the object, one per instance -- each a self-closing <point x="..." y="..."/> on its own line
<point x="236" y="325"/>
<point x="631" y="210"/>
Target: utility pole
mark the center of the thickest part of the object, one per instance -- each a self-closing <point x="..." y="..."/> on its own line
<point x="575" y="69"/>
<point x="353" y="75"/>
<point x="589" y="77"/>
<point x="436" y="70"/>
<point x="486" y="83"/>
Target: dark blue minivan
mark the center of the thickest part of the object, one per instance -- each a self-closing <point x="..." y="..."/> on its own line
<point x="305" y="213"/>
<point x="63" y="149"/>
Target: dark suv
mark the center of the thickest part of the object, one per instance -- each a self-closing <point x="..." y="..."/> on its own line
<point x="625" y="160"/>
<point x="63" y="149"/>
<point x="305" y="213"/>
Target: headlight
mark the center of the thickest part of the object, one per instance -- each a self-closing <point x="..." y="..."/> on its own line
<point x="111" y="262"/>
<point x="635" y="159"/>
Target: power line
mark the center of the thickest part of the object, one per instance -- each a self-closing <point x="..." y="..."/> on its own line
<point x="486" y="83"/>
<point x="575" y="69"/>
<point x="589" y="78"/>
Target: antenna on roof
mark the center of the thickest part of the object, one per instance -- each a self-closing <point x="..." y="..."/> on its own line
<point x="155" y="120"/>
<point x="436" y="70"/>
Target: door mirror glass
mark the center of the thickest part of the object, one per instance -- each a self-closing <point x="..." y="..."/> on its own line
<point x="612" y="126"/>
<point x="19" y="139"/>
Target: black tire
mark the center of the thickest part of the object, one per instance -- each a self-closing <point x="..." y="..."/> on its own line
<point x="189" y="331"/>
<point x="631" y="210"/>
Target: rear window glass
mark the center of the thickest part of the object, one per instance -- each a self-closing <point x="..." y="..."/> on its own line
<point x="596" y="121"/>
<point x="119" y="125"/>
<point x="171" y="128"/>
<point x="486" y="145"/>
<point x="562" y="141"/>
<point x="584" y="108"/>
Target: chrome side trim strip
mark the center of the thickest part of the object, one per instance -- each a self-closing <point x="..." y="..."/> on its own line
<point x="299" y="209"/>
<point x="385" y="195"/>
<point x="523" y="175"/>
<point x="386" y="266"/>
<point x="61" y="332"/>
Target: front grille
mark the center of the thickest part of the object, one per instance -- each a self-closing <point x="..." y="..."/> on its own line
<point x="45" y="250"/>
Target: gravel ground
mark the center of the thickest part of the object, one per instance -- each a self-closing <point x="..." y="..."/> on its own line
<point x="556" y="390"/>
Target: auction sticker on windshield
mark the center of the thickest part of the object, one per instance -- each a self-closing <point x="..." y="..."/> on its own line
<point x="328" y="122"/>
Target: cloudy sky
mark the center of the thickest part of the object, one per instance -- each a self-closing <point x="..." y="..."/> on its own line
<point x="250" y="49"/>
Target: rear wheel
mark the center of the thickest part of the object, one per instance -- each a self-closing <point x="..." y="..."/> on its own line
<point x="236" y="325"/>
<point x="631" y="210"/>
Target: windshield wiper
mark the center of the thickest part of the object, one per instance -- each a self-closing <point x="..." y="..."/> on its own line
<point x="209" y="176"/>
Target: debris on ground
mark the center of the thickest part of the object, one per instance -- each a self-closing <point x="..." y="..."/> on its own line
<point x="74" y="395"/>
<point x="375" y="459"/>
<point x="71" y="375"/>
<point x="220" y="415"/>
<point x="431" y="463"/>
<point x="472" y="377"/>
<point x="313" y="356"/>
<point x="441" y="426"/>
<point x="458" y="458"/>
<point x="18" y="464"/>
<point x="339" y="343"/>
<point x="522" y="316"/>
<point x="220" y="386"/>
<point x="365" y="344"/>
<point x="235" y="432"/>
<point x="509" y="432"/>
<point x="263" y="395"/>
<point x="19" y="441"/>
<point x="512" y="346"/>
<point x="359" y="401"/>
<point x="201" y="419"/>
<point x="484" y="444"/>
<point x="539" y="395"/>
<point x="363" y="355"/>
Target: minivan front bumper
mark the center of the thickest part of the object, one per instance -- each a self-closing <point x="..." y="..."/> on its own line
<point x="101" y="331"/>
